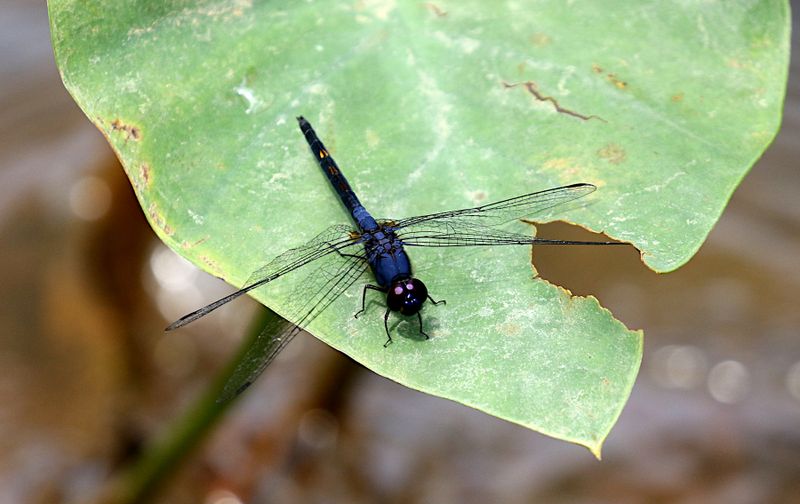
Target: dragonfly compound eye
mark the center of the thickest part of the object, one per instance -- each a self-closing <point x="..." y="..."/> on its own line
<point x="407" y="296"/>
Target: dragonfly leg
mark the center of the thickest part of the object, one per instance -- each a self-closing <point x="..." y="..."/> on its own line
<point x="386" y="325"/>
<point x="342" y="254"/>
<point x="364" y="298"/>
<point x="441" y="301"/>
<point x="419" y="316"/>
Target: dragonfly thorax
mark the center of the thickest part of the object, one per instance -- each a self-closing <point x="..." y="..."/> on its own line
<point x="386" y="257"/>
<point x="406" y="296"/>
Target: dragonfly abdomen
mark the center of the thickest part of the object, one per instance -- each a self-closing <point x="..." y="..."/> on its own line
<point x="336" y="178"/>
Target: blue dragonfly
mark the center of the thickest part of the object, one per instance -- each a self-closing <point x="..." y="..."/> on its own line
<point x="342" y="254"/>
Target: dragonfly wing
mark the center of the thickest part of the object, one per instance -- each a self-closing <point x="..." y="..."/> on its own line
<point x="333" y="276"/>
<point x="478" y="226"/>
<point x="500" y="212"/>
<point x="439" y="233"/>
<point x="334" y="239"/>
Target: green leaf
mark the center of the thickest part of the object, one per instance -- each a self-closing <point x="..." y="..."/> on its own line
<point x="429" y="107"/>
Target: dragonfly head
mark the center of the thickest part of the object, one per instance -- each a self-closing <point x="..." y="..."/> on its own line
<point x="406" y="296"/>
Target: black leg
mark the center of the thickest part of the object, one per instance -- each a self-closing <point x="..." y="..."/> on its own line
<point x="364" y="297"/>
<point x="441" y="301"/>
<point x="342" y="254"/>
<point x="386" y="325"/>
<point x="419" y="316"/>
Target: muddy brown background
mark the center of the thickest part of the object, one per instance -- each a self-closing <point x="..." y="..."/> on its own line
<point x="87" y="376"/>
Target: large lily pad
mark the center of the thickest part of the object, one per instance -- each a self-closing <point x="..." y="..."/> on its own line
<point x="433" y="106"/>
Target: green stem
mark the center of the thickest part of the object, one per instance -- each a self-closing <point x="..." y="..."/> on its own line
<point x="138" y="483"/>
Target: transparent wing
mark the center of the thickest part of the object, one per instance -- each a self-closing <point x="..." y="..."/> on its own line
<point x="334" y="239"/>
<point x="439" y="233"/>
<point x="477" y="226"/>
<point x="500" y="212"/>
<point x="332" y="277"/>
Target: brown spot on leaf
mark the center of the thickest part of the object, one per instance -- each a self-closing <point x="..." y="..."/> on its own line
<point x="212" y="266"/>
<point x="540" y="39"/>
<point x="438" y="11"/>
<point x="144" y="173"/>
<point x="186" y="245"/>
<point x="677" y="97"/>
<point x="131" y="132"/>
<point x="564" y="166"/>
<point x="612" y="153"/>
<point x="734" y="63"/>
<point x="618" y="83"/>
<point x="158" y="221"/>
<point x="141" y="179"/>
<point x="509" y="329"/>
<point x="372" y="138"/>
<point x="610" y="77"/>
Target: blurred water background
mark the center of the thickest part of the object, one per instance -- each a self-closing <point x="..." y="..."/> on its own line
<point x="87" y="376"/>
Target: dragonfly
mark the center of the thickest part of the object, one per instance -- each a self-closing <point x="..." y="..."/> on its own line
<point x="342" y="254"/>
